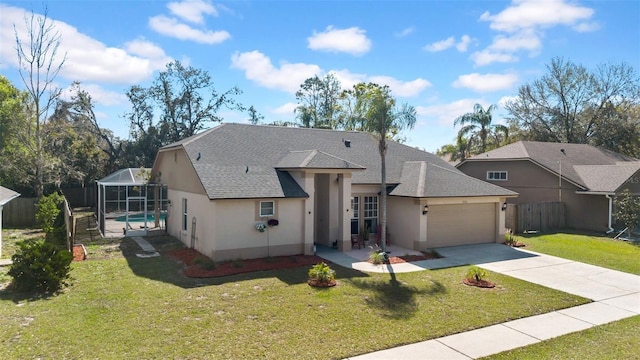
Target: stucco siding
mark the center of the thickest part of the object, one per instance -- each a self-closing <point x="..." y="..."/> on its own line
<point x="586" y="212"/>
<point x="198" y="207"/>
<point x="404" y="217"/>
<point x="173" y="168"/>
<point x="238" y="238"/>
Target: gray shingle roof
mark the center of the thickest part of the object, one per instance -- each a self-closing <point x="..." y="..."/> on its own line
<point x="241" y="161"/>
<point x="7" y="195"/>
<point x="421" y="179"/>
<point x="580" y="162"/>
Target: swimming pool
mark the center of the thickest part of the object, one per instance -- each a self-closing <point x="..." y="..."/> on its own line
<point x="140" y="218"/>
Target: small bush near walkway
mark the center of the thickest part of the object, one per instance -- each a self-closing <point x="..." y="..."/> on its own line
<point x="39" y="266"/>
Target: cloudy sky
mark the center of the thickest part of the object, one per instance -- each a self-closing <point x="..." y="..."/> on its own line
<point x="440" y="56"/>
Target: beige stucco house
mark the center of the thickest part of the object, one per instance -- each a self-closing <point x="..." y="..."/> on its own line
<point x="322" y="186"/>
<point x="582" y="177"/>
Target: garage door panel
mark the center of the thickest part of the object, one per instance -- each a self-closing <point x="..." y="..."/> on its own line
<point x="450" y="225"/>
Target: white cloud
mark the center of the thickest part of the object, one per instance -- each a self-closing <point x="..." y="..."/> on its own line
<point x="192" y="10"/>
<point x="463" y="45"/>
<point x="485" y="82"/>
<point x="441" y="45"/>
<point x="258" y="68"/>
<point x="352" y="41"/>
<point x="486" y="57"/>
<point x="526" y="39"/>
<point x="586" y="27"/>
<point x="173" y="28"/>
<point x="405" y="32"/>
<point x="450" y="42"/>
<point x="401" y="88"/>
<point x="537" y="13"/>
<point x="285" y="109"/>
<point x="88" y="60"/>
<point x="445" y="114"/>
<point x="99" y="95"/>
<point x="502" y="103"/>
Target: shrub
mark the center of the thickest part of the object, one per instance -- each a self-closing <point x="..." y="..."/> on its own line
<point x="58" y="236"/>
<point x="204" y="262"/>
<point x="39" y="266"/>
<point x="47" y="210"/>
<point x="377" y="257"/>
<point x="322" y="272"/>
<point x="476" y="273"/>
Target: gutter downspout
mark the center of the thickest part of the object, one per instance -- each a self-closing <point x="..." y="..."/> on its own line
<point x="610" y="229"/>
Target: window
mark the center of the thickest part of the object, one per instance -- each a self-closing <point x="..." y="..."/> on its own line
<point x="355" y="215"/>
<point x="370" y="214"/>
<point x="497" y="175"/>
<point x="267" y="208"/>
<point x="184" y="214"/>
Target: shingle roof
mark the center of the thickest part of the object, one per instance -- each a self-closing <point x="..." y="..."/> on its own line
<point x="242" y="161"/>
<point x="7" y="195"/>
<point x="580" y="162"/>
<point x="421" y="179"/>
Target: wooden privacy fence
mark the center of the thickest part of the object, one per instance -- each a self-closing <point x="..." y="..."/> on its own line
<point x="535" y="217"/>
<point x="20" y="213"/>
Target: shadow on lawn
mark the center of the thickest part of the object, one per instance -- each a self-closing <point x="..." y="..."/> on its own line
<point x="394" y="299"/>
<point x="167" y="269"/>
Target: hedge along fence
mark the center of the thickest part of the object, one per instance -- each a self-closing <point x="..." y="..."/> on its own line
<point x="20" y="213"/>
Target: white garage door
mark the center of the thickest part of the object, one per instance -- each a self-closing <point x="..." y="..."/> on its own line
<point x="449" y="225"/>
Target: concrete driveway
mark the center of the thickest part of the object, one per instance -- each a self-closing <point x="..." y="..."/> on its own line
<point x="616" y="296"/>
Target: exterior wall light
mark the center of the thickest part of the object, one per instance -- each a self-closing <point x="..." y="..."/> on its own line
<point x="504" y="206"/>
<point x="425" y="210"/>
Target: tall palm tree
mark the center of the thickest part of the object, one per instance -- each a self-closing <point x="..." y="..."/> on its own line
<point x="371" y="108"/>
<point x="478" y="124"/>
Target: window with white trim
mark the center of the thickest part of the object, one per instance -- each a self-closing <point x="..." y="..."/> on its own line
<point x="370" y="213"/>
<point x="355" y="215"/>
<point x="184" y="214"/>
<point x="497" y="175"/>
<point x="267" y="208"/>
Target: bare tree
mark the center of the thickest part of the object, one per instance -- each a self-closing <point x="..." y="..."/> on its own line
<point x="38" y="67"/>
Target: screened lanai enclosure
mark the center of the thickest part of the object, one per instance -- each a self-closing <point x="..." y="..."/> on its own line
<point x="128" y="205"/>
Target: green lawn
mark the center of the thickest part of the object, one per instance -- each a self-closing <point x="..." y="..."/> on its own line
<point x="595" y="250"/>
<point x="617" y="340"/>
<point x="122" y="306"/>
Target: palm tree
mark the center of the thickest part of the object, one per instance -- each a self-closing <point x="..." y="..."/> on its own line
<point x="477" y="124"/>
<point x="371" y="108"/>
<point x="458" y="151"/>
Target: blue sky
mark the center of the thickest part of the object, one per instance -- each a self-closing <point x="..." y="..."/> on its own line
<point x="440" y="56"/>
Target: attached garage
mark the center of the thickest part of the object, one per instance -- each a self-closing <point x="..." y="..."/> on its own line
<point x="461" y="224"/>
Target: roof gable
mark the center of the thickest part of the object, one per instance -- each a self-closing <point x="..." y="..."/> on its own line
<point x="315" y="159"/>
<point x="578" y="163"/>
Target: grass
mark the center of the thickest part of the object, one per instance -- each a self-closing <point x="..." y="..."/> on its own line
<point x="123" y="306"/>
<point x="616" y="340"/>
<point x="595" y="250"/>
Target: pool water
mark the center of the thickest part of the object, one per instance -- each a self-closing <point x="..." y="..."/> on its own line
<point x="140" y="218"/>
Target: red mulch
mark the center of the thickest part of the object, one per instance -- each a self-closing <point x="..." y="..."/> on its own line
<point x="226" y="268"/>
<point x="78" y="253"/>
<point x="479" y="283"/>
<point x="410" y="258"/>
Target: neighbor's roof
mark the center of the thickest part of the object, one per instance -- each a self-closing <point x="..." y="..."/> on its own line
<point x="437" y="181"/>
<point x="129" y="176"/>
<point x="593" y="168"/>
<point x="249" y="161"/>
<point x="7" y="195"/>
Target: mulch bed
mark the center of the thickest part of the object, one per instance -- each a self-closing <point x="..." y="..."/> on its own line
<point x="226" y="268"/>
<point x="479" y="283"/>
<point x="78" y="253"/>
<point x="410" y="258"/>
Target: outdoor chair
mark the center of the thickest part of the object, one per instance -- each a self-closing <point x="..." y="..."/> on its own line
<point x="357" y="240"/>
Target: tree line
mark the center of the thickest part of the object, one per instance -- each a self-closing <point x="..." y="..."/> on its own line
<point x="569" y="104"/>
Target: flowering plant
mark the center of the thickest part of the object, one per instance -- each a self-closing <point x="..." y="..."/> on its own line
<point x="261" y="227"/>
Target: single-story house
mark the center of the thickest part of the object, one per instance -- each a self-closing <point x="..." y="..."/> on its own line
<point x="322" y="187"/>
<point x="582" y="177"/>
<point x="6" y="195"/>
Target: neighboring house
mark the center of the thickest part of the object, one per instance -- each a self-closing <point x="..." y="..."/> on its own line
<point x="6" y="195"/>
<point x="322" y="186"/>
<point x="582" y="177"/>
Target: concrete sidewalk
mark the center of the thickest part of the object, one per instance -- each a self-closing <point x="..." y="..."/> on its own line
<point x="616" y="296"/>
